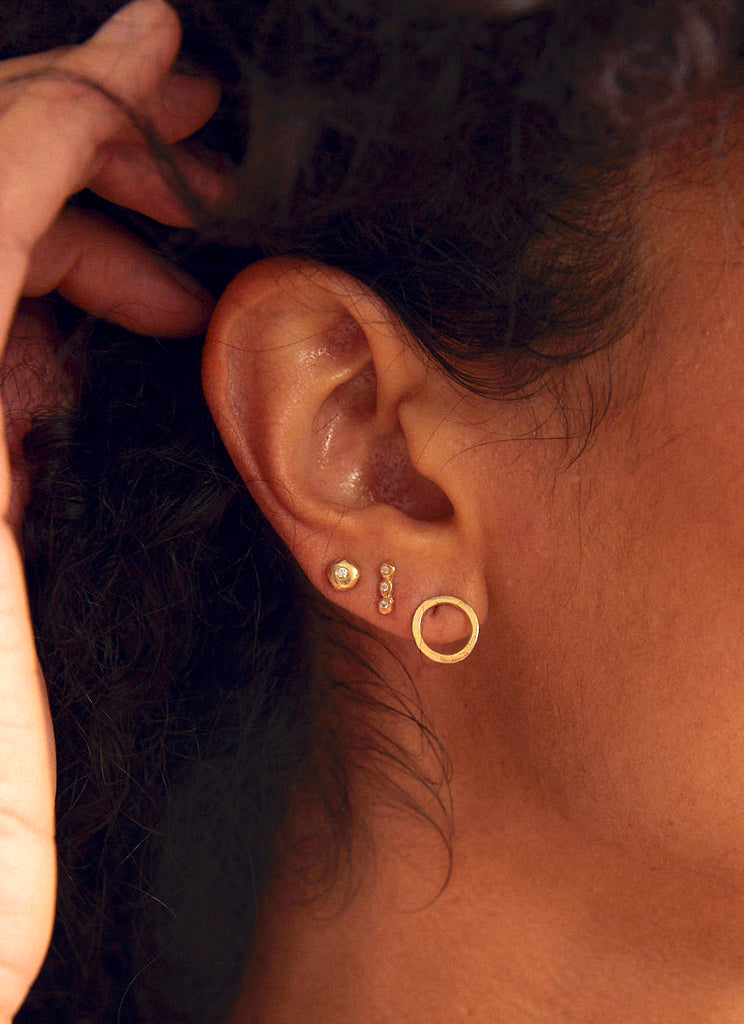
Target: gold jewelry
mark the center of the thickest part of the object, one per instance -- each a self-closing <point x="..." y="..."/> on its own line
<point x="445" y="659"/>
<point x="385" y="605"/>
<point x="343" y="575"/>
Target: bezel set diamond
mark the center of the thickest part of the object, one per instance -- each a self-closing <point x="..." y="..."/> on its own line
<point x="343" y="575"/>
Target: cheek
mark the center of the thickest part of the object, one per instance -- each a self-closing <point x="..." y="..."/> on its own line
<point x="619" y="640"/>
<point x="639" y="714"/>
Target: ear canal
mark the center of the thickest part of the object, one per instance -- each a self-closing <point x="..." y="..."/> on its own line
<point x="396" y="482"/>
<point x="362" y="466"/>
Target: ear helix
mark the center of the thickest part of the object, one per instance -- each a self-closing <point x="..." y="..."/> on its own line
<point x="343" y="575"/>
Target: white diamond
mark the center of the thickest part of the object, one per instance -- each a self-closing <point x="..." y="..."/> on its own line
<point x="386" y="569"/>
<point x="342" y="573"/>
<point x="384" y="605"/>
<point x="384" y="587"/>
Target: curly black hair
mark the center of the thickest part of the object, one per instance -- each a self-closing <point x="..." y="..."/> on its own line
<point x="466" y="159"/>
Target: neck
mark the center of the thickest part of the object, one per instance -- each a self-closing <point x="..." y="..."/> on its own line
<point x="540" y="921"/>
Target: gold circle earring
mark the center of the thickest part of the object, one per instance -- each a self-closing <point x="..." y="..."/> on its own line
<point x="343" y="575"/>
<point x="445" y="659"/>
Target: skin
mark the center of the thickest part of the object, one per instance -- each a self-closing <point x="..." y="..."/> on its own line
<point x="595" y="733"/>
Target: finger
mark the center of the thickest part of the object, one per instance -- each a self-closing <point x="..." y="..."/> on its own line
<point x="27" y="856"/>
<point x="101" y="268"/>
<point x="144" y="36"/>
<point x="180" y="107"/>
<point x="131" y="177"/>
<point x="183" y="105"/>
<point x="52" y="131"/>
<point x="27" y="848"/>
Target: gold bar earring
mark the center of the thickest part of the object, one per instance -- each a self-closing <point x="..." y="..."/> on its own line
<point x="385" y="605"/>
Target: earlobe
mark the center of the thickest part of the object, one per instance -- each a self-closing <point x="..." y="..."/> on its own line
<point x="337" y="427"/>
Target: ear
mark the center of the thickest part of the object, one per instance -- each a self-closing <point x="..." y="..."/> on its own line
<point x="348" y="441"/>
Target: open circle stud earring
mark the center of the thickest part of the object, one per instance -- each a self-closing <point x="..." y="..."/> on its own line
<point x="343" y="575"/>
<point x="434" y="602"/>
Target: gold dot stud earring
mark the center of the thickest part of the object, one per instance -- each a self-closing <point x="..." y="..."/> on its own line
<point x="343" y="575"/>
<point x="386" y="602"/>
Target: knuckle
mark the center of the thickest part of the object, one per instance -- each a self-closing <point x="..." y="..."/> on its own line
<point x="64" y="100"/>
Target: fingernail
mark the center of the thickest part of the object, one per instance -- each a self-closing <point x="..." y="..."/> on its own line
<point x="135" y="18"/>
<point x="181" y="92"/>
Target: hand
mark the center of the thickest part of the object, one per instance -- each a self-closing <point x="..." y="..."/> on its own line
<point x="58" y="135"/>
